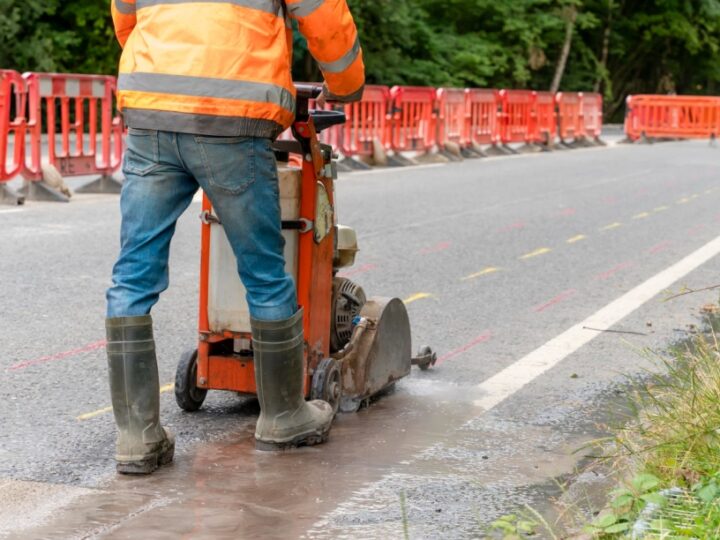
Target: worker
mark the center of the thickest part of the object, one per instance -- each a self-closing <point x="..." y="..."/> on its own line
<point x="204" y="88"/>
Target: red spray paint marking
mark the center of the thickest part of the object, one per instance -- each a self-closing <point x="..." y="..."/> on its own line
<point x="513" y="227"/>
<point x="614" y="270"/>
<point x="697" y="229"/>
<point x="59" y="356"/>
<point x="568" y="212"/>
<point x="359" y="270"/>
<point x="559" y="298"/>
<point x="442" y="246"/>
<point x="659" y="248"/>
<point x="482" y="338"/>
<point x="610" y="200"/>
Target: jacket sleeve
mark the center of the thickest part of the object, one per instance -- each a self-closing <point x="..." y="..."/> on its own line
<point x="333" y="40"/>
<point x="123" y="14"/>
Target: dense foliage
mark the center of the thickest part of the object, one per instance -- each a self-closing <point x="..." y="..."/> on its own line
<point x="615" y="46"/>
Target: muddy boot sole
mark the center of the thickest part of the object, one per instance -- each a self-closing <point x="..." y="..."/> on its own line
<point x="147" y="465"/>
<point x="311" y="439"/>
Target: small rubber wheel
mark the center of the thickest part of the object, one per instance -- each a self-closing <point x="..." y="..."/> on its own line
<point x="327" y="383"/>
<point x="425" y="358"/>
<point x="188" y="396"/>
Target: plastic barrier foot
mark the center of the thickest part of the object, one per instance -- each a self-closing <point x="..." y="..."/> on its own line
<point x="354" y="164"/>
<point x="477" y="150"/>
<point x="104" y="184"/>
<point x="508" y="150"/>
<point x="495" y="150"/>
<point x="40" y="191"/>
<point x="398" y="160"/>
<point x="452" y="152"/>
<point x="8" y="196"/>
<point x="529" y="148"/>
<point x="471" y="153"/>
<point x="343" y="167"/>
<point x="431" y="157"/>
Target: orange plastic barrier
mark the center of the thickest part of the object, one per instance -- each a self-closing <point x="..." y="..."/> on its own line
<point x="13" y="93"/>
<point x="85" y="106"/>
<point x="367" y="121"/>
<point x="685" y="117"/>
<point x="569" y="115"/>
<point x="413" y="120"/>
<point x="592" y="114"/>
<point x="543" y="127"/>
<point x="516" y="116"/>
<point x="452" y="116"/>
<point x="482" y="108"/>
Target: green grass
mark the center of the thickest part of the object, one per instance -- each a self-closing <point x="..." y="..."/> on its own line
<point x="673" y="449"/>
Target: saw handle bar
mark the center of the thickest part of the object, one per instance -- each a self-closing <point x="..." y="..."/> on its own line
<point x="322" y="119"/>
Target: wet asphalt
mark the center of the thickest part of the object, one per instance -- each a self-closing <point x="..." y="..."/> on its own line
<point x="495" y="256"/>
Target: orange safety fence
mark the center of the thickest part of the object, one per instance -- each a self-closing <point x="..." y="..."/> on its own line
<point x="569" y="115"/>
<point x="592" y="114"/>
<point x="543" y="127"/>
<point x="85" y="107"/>
<point x="515" y="116"/>
<point x="452" y="116"/>
<point x="84" y="133"/>
<point x="685" y="117"/>
<point x="413" y="119"/>
<point x="13" y="95"/>
<point x="482" y="108"/>
<point x="367" y="121"/>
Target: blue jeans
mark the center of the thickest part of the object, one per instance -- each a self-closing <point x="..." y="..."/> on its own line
<point x="163" y="171"/>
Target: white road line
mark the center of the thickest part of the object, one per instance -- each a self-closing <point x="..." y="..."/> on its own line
<point x="10" y="211"/>
<point x="504" y="384"/>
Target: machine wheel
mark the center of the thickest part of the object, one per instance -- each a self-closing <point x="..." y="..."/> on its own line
<point x="327" y="383"/>
<point x="425" y="358"/>
<point x="188" y="396"/>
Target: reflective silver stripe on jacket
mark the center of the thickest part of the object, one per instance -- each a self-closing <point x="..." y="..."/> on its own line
<point x="338" y="66"/>
<point x="201" y="124"/>
<point x="207" y="87"/>
<point x="269" y="6"/>
<point x="126" y="8"/>
<point x="304" y="8"/>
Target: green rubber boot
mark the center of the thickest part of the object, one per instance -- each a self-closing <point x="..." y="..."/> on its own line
<point x="143" y="444"/>
<point x="286" y="419"/>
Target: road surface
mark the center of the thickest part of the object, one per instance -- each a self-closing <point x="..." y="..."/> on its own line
<point x="514" y="269"/>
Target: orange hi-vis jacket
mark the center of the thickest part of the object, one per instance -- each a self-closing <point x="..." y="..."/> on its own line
<point x="222" y="67"/>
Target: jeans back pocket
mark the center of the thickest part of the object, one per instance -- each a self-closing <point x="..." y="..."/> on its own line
<point x="142" y="154"/>
<point x="229" y="162"/>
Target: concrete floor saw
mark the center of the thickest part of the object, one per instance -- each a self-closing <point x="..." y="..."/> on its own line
<point x="355" y="347"/>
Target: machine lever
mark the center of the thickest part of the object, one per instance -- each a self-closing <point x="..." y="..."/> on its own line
<point x="301" y="225"/>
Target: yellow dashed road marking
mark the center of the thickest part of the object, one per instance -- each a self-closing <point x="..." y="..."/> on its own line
<point x="576" y="238"/>
<point x="641" y="215"/>
<point x="88" y="416"/>
<point x="611" y="226"/>
<point x="483" y="272"/>
<point x="105" y="410"/>
<point x="536" y="253"/>
<point x="661" y="208"/>
<point x="683" y="200"/>
<point x="708" y="191"/>
<point x="416" y="297"/>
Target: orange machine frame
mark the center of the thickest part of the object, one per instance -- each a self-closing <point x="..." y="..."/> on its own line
<point x="314" y="283"/>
